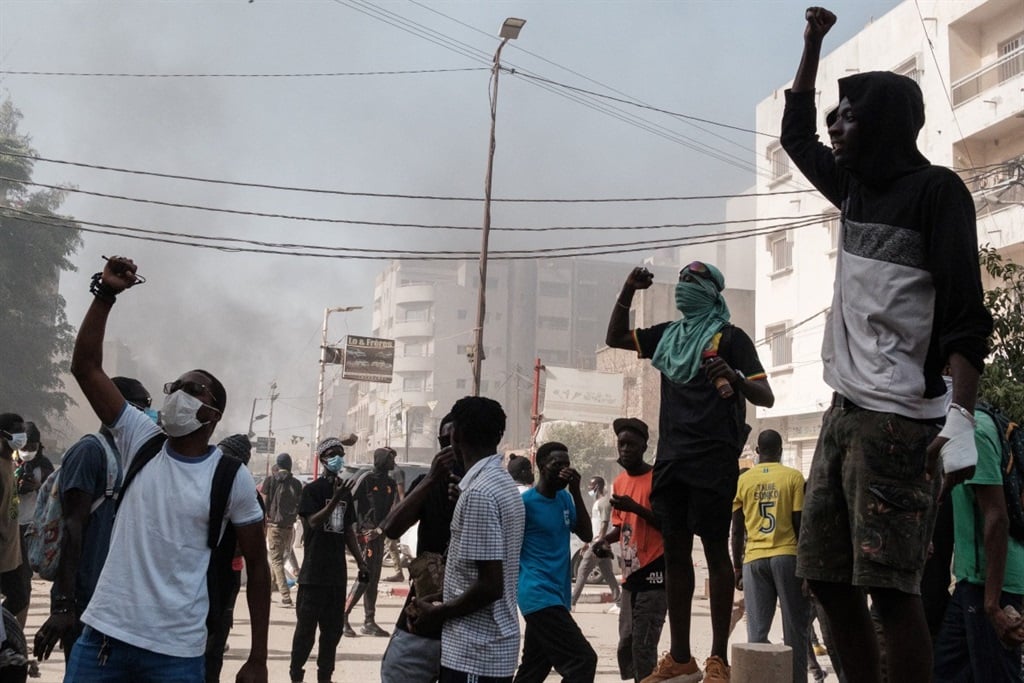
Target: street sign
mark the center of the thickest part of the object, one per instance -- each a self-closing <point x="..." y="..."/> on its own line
<point x="369" y="359"/>
<point x="266" y="444"/>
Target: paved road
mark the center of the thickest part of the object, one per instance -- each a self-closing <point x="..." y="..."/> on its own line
<point x="359" y="658"/>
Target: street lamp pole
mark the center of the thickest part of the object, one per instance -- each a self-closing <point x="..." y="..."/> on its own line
<point x="509" y="31"/>
<point x="320" y="386"/>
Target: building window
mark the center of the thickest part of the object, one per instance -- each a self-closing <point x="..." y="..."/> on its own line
<point x="414" y="383"/>
<point x="832" y="224"/>
<point x="1011" y="51"/>
<point x="780" y="341"/>
<point x="910" y="69"/>
<point x="557" y="289"/>
<point x="548" y="322"/>
<point x="415" y="349"/>
<point x="778" y="161"/>
<point x="781" y="249"/>
<point x="417" y="314"/>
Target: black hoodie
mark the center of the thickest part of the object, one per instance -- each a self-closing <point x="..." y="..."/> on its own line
<point x="908" y="289"/>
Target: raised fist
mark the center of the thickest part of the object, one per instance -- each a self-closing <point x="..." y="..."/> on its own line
<point x="819" y="21"/>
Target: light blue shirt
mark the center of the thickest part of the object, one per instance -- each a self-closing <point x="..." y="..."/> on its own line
<point x="544" y="571"/>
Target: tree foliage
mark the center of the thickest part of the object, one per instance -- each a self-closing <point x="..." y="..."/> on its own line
<point x="35" y="335"/>
<point x="589" y="450"/>
<point x="1002" y="383"/>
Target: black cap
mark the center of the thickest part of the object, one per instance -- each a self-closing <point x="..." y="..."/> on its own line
<point x="632" y="424"/>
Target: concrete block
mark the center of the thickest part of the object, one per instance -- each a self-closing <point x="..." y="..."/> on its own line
<point x="761" y="663"/>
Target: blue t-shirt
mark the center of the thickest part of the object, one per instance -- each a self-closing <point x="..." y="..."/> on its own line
<point x="544" y="571"/>
<point x="84" y="468"/>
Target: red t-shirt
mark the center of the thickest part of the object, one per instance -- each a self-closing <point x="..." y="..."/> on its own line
<point x="641" y="542"/>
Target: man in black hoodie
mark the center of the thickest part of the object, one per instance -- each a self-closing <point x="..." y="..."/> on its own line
<point x="907" y="301"/>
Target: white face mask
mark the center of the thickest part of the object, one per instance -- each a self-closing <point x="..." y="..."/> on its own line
<point x="178" y="418"/>
<point x="26" y="456"/>
<point x="18" y="440"/>
<point x="592" y="493"/>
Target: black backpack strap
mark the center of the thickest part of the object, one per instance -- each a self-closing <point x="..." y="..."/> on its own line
<point x="223" y="481"/>
<point x="147" y="452"/>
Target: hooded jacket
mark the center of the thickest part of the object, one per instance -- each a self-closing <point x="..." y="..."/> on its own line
<point x="907" y="290"/>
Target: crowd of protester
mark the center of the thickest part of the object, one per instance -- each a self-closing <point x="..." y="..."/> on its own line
<point x="156" y="520"/>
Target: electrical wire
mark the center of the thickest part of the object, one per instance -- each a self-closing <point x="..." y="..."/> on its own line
<point x="428" y="226"/>
<point x="254" y="246"/>
<point x="390" y="195"/>
<point x="324" y="74"/>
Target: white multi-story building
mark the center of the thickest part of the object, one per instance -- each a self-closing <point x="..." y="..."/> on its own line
<point x="968" y="57"/>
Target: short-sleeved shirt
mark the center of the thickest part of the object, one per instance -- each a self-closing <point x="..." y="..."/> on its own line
<point x="282" y="499"/>
<point x="84" y="468"/>
<point x="601" y="513"/>
<point x="323" y="563"/>
<point x="487" y="526"/>
<point x="544" y="562"/>
<point x="377" y="493"/>
<point x="769" y="494"/>
<point x="695" y="424"/>
<point x="152" y="590"/>
<point x="643" y="549"/>
<point x="969" y="556"/>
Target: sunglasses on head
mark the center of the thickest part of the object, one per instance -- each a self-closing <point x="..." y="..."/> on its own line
<point x="191" y="388"/>
<point x="141" y="403"/>
<point x="697" y="268"/>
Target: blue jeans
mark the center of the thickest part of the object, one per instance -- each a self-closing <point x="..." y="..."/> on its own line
<point x="126" y="663"/>
<point x="410" y="657"/>
<point x="765" y="581"/>
<point x="967" y="648"/>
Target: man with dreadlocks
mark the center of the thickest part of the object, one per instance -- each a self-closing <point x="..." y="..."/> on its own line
<point x="709" y="370"/>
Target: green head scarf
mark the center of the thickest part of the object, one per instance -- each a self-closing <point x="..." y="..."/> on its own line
<point x="705" y="312"/>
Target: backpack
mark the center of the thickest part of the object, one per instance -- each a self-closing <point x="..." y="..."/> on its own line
<point x="46" y="530"/>
<point x="1011" y="465"/>
<point x="219" y="575"/>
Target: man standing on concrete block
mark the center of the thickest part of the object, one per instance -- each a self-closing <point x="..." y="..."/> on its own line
<point x="709" y="370"/>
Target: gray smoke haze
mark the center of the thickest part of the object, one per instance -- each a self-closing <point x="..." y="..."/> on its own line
<point x="252" y="319"/>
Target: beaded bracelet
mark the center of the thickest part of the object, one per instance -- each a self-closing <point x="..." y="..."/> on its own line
<point x="102" y="290"/>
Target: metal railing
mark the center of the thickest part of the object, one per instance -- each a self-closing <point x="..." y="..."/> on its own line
<point x="990" y="76"/>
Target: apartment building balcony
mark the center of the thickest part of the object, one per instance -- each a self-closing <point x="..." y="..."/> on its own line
<point x="413" y="328"/>
<point x="414" y="364"/>
<point x="413" y="294"/>
<point x="1004" y="73"/>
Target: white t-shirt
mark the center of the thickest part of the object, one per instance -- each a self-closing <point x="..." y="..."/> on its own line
<point x="152" y="590"/>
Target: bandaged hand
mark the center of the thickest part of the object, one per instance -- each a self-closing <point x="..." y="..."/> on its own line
<point x="959" y="451"/>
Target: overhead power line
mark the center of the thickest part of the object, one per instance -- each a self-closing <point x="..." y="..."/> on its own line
<point x="427" y="226"/>
<point x="390" y="195"/>
<point x="233" y="244"/>
<point x="322" y="74"/>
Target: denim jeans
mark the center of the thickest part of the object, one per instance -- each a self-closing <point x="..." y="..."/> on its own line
<point x="765" y="581"/>
<point x="967" y="649"/>
<point x="410" y="657"/>
<point x="640" y="623"/>
<point x="126" y="663"/>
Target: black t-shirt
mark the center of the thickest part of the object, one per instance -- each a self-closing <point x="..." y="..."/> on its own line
<point x="323" y="563"/>
<point x="696" y="424"/>
<point x="377" y="494"/>
<point x="432" y="535"/>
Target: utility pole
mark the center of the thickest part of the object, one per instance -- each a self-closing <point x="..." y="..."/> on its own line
<point x="320" y="385"/>
<point x="535" y="415"/>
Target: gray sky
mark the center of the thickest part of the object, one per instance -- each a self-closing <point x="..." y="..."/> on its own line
<point x="254" y="318"/>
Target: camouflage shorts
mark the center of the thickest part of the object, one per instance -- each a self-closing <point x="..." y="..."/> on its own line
<point x="869" y="507"/>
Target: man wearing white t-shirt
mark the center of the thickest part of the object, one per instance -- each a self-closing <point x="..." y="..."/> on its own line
<point x="146" y="619"/>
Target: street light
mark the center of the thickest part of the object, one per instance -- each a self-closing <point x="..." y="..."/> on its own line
<point x="509" y="31"/>
<point x="320" y="387"/>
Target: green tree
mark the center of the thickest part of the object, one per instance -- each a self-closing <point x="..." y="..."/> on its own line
<point x="1002" y="383"/>
<point x="34" y="333"/>
<point x="589" y="450"/>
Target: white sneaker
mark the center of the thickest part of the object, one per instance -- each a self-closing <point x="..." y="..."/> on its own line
<point x="614" y="609"/>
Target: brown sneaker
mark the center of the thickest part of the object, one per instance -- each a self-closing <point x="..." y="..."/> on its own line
<point x="715" y="670"/>
<point x="670" y="669"/>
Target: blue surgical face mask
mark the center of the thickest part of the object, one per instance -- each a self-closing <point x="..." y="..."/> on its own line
<point x="334" y="463"/>
<point x="152" y="414"/>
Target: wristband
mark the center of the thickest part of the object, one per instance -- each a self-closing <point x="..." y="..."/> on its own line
<point x="621" y="305"/>
<point x="102" y="290"/>
<point x="963" y="411"/>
